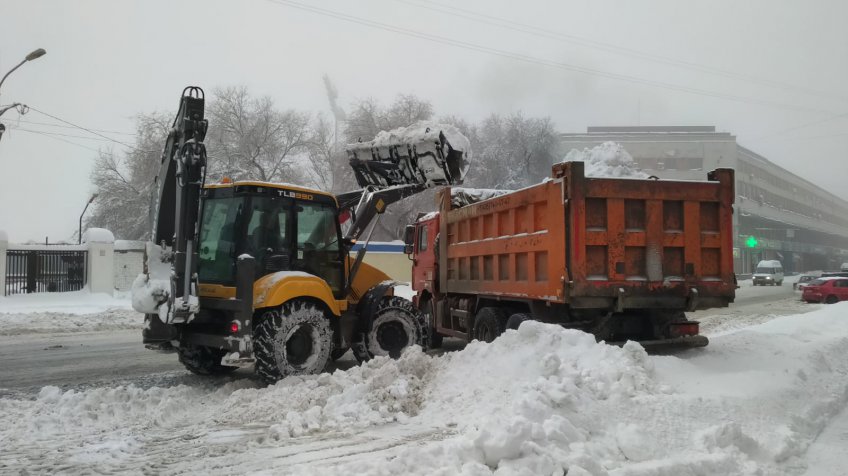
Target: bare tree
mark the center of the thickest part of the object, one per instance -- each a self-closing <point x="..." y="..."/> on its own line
<point x="124" y="181"/>
<point x="250" y="139"/>
<point x="512" y="151"/>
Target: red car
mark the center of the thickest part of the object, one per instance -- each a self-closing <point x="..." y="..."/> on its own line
<point x="826" y="290"/>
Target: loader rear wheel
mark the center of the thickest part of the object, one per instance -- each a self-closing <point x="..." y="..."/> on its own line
<point x="203" y="360"/>
<point x="396" y="326"/>
<point x="489" y="323"/>
<point x="294" y="339"/>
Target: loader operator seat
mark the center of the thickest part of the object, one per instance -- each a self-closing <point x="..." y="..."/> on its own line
<point x="265" y="242"/>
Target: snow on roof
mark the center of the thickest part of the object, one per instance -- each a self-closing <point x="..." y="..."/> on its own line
<point x="98" y="235"/>
<point x="609" y="159"/>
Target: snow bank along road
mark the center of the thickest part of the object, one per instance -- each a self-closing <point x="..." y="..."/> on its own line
<point x="536" y="401"/>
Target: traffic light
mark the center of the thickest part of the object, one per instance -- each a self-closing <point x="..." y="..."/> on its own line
<point x="752" y="242"/>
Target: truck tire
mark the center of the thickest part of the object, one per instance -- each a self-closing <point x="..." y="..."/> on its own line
<point x="489" y="323"/>
<point x="337" y="353"/>
<point x="294" y="339"/>
<point x="395" y="326"/>
<point x="516" y="319"/>
<point x="435" y="338"/>
<point x="203" y="360"/>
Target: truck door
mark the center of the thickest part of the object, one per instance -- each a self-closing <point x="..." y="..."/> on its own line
<point x="424" y="258"/>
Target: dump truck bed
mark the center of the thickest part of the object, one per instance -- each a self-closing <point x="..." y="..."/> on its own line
<point x="612" y="243"/>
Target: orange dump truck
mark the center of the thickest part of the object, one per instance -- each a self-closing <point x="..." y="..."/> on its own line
<point x="618" y="257"/>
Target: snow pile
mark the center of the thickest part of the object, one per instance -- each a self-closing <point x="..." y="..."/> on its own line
<point x="151" y="290"/>
<point x="98" y="235"/>
<point x="609" y="159"/>
<point x="77" y="311"/>
<point x="461" y="196"/>
<point x="62" y="322"/>
<point x="539" y="400"/>
<point x="423" y="136"/>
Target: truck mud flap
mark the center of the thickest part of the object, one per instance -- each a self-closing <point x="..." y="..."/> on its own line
<point x="660" y="345"/>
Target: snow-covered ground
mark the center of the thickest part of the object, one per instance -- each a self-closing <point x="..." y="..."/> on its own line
<point x="768" y="396"/>
<point x="79" y="311"/>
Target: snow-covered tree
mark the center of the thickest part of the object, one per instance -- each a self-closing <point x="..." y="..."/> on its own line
<point x="249" y="138"/>
<point x="123" y="181"/>
<point x="511" y="152"/>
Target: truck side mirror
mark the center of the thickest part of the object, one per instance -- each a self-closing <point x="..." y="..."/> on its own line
<point x="408" y="239"/>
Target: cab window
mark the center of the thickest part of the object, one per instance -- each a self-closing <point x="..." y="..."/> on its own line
<point x="317" y="250"/>
<point x="422" y="239"/>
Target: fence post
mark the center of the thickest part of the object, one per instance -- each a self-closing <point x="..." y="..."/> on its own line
<point x="4" y="245"/>
<point x="101" y="256"/>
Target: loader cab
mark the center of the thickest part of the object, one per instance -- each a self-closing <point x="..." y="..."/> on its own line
<point x="282" y="228"/>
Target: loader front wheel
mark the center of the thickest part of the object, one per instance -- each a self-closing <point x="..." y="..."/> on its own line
<point x="294" y="339"/>
<point x="396" y="325"/>
<point x="203" y="360"/>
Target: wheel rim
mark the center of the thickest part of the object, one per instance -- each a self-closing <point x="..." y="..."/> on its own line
<point x="299" y="345"/>
<point x="392" y="338"/>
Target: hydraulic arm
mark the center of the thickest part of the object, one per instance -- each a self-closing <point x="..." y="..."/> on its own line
<point x="177" y="202"/>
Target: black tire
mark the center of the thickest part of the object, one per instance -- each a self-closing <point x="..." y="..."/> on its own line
<point x="489" y="323"/>
<point x="295" y="339"/>
<point x="338" y="353"/>
<point x="203" y="360"/>
<point x="436" y="339"/>
<point x="516" y="319"/>
<point x="831" y="300"/>
<point x="396" y="325"/>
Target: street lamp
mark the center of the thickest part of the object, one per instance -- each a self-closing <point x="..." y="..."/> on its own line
<point x="79" y="241"/>
<point x="34" y="55"/>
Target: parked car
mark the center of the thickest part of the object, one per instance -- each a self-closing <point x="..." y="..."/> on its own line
<point x="803" y="281"/>
<point x="768" y="272"/>
<point x="826" y="290"/>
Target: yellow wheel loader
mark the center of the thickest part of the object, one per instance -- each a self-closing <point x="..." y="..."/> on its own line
<point x="260" y="274"/>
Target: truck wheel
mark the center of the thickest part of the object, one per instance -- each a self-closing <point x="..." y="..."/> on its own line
<point x="489" y="323"/>
<point x="831" y="300"/>
<point x="203" y="360"/>
<point x="396" y="325"/>
<point x="516" y="319"/>
<point x="294" y="339"/>
<point x="435" y="337"/>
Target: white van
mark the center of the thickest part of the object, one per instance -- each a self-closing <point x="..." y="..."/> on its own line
<point x="768" y="272"/>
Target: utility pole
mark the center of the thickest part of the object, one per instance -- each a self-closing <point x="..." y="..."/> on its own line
<point x="21" y="107"/>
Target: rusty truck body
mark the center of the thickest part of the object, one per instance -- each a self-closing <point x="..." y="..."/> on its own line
<point x="618" y="257"/>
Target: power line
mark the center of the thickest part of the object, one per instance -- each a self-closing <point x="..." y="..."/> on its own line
<point x="73" y="127"/>
<point x="58" y="138"/>
<point x="90" y="131"/>
<point x="564" y="37"/>
<point x="57" y="134"/>
<point x="802" y="126"/>
<point x="535" y="60"/>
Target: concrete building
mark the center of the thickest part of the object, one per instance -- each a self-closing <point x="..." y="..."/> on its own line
<point x="778" y="215"/>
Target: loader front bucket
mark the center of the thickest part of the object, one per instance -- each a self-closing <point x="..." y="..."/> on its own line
<point x="422" y="154"/>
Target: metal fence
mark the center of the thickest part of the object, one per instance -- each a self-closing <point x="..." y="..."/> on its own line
<point x="38" y="271"/>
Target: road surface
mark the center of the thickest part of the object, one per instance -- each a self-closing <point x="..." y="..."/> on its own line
<point x="80" y="360"/>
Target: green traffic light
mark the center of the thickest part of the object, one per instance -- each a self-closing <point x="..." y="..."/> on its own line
<point x="751" y="242"/>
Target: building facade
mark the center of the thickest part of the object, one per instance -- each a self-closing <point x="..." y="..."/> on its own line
<point x="778" y="215"/>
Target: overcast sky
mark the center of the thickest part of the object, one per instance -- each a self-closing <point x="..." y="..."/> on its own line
<point x="782" y="70"/>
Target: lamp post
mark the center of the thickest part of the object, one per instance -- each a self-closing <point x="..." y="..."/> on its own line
<point x="34" y="55"/>
<point x="79" y="241"/>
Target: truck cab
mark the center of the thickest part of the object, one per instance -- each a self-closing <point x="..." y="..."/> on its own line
<point x="421" y="245"/>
